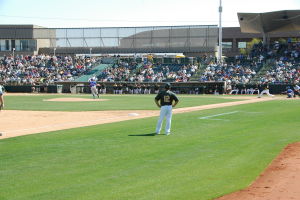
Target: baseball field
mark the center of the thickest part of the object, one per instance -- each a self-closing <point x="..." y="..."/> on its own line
<point x="87" y="149"/>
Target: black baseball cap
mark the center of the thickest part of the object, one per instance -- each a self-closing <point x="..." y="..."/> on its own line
<point x="167" y="85"/>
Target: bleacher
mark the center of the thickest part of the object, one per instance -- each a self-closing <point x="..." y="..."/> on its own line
<point x="260" y="65"/>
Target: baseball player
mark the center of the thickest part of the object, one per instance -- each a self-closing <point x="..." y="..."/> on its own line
<point x="1" y="97"/>
<point x="265" y="91"/>
<point x="235" y="90"/>
<point x="103" y="89"/>
<point x="93" y="86"/>
<point x="290" y="93"/>
<point x="296" y="90"/>
<point x="164" y="100"/>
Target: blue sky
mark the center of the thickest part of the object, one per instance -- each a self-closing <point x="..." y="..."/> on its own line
<point x="127" y="13"/>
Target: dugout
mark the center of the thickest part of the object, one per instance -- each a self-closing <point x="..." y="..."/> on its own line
<point x="83" y="87"/>
<point x="33" y="88"/>
<point x="274" y="88"/>
<point x="178" y="87"/>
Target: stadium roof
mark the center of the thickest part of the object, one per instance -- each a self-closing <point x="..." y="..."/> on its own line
<point x="278" y="21"/>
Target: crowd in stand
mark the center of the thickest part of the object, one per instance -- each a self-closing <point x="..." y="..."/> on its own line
<point x="148" y="72"/>
<point x="235" y="73"/>
<point x="284" y="51"/>
<point x="177" y="73"/>
<point x="282" y="72"/>
<point x="284" y="59"/>
<point x="42" y="69"/>
<point x="286" y="63"/>
<point x="118" y="72"/>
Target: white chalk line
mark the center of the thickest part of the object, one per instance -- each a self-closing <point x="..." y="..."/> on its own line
<point x="227" y="113"/>
<point x="221" y="114"/>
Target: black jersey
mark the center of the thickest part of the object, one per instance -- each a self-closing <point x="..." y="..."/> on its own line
<point x="266" y="87"/>
<point x="166" y="97"/>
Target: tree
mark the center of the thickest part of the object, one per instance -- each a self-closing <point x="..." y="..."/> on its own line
<point x="250" y="45"/>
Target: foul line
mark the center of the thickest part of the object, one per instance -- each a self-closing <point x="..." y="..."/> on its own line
<point x="211" y="116"/>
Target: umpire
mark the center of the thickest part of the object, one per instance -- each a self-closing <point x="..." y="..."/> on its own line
<point x="164" y="100"/>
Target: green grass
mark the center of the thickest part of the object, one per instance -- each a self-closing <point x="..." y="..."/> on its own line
<point x="201" y="160"/>
<point x="115" y="102"/>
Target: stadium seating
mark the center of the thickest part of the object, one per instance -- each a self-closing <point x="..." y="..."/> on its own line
<point x="278" y="63"/>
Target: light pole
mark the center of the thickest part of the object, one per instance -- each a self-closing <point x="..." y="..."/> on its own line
<point x="220" y="33"/>
<point x="54" y="51"/>
<point x="91" y="52"/>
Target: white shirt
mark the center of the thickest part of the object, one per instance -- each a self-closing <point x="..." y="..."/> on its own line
<point x="296" y="87"/>
<point x="1" y="89"/>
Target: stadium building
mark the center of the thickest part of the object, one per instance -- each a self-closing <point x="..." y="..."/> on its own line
<point x="31" y="39"/>
<point x="190" y="40"/>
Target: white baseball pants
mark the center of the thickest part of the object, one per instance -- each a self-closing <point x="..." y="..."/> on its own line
<point x="165" y="111"/>
<point x="94" y="91"/>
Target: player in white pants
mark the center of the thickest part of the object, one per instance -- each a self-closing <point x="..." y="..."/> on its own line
<point x="236" y="90"/>
<point x="94" y="89"/>
<point x="164" y="100"/>
<point x="265" y="91"/>
<point x="1" y="97"/>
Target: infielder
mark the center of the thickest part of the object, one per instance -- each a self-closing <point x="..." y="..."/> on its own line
<point x="1" y="97"/>
<point x="164" y="100"/>
<point x="93" y="86"/>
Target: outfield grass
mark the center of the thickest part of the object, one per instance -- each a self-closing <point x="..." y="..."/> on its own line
<point x="202" y="159"/>
<point x="115" y="102"/>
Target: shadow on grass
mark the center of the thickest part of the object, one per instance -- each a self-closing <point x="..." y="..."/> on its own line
<point x="147" y="134"/>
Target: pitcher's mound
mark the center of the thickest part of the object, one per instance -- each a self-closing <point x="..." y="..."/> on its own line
<point x="74" y="99"/>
